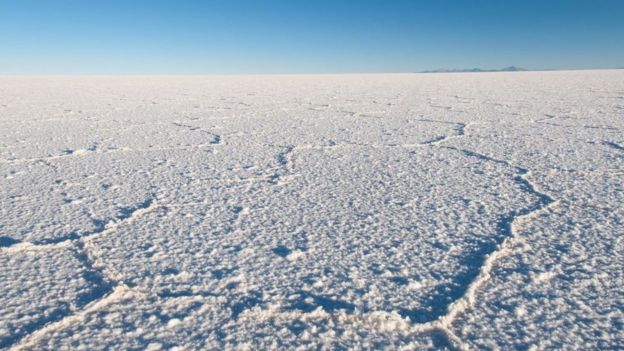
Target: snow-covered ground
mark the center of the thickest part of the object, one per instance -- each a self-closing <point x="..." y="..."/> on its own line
<point x="459" y="211"/>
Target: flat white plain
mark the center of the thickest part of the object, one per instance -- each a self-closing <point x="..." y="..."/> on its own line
<point x="411" y="211"/>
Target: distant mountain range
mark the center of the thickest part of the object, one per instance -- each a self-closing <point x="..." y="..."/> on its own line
<point x="455" y="70"/>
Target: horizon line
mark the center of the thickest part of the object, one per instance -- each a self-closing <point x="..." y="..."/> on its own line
<point x="441" y="70"/>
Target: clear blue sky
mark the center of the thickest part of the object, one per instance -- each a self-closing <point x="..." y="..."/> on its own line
<point x="297" y="36"/>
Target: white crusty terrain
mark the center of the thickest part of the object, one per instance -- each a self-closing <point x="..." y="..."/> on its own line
<point x="416" y="211"/>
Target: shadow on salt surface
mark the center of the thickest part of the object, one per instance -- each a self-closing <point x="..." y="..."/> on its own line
<point x="441" y="298"/>
<point x="246" y="303"/>
<point x="98" y="224"/>
<point x="6" y="241"/>
<point x="98" y="289"/>
<point x="440" y="341"/>
<point x="52" y="314"/>
<point x="308" y="302"/>
<point x="49" y="285"/>
<point x="444" y="295"/>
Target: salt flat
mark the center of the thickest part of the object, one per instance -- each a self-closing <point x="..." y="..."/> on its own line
<point x="413" y="211"/>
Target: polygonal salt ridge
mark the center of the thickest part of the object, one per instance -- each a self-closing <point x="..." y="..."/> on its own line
<point x="523" y="102"/>
<point x="198" y="241"/>
<point x="78" y="198"/>
<point x="266" y="255"/>
<point x="166" y="322"/>
<point x="48" y="141"/>
<point x="338" y="132"/>
<point x="96" y="227"/>
<point x="566" y="271"/>
<point x="41" y="287"/>
<point x="185" y="177"/>
<point x="526" y="186"/>
<point x="571" y="150"/>
<point x="598" y="189"/>
<point x="98" y="285"/>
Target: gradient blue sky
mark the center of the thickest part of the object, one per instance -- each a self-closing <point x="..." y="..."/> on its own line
<point x="297" y="36"/>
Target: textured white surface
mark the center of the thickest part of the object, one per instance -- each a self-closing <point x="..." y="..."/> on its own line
<point x="459" y="211"/>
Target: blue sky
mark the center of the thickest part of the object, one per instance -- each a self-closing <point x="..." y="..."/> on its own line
<point x="297" y="36"/>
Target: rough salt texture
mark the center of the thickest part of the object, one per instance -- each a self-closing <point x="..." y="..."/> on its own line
<point x="422" y="211"/>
